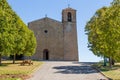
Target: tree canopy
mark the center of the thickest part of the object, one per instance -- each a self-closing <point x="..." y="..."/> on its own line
<point x="103" y="31"/>
<point x="15" y="37"/>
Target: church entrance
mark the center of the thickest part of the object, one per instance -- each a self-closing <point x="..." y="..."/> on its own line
<point x="45" y="54"/>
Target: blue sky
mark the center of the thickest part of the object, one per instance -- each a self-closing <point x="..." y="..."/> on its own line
<point x="30" y="10"/>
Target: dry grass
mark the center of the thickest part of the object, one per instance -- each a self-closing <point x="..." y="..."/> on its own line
<point x="113" y="73"/>
<point x="8" y="68"/>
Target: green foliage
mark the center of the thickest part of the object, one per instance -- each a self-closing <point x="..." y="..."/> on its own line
<point x="103" y="31"/>
<point x="15" y="37"/>
<point x="30" y="45"/>
<point x="116" y="2"/>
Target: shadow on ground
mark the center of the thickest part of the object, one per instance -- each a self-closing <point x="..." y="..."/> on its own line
<point x="75" y="69"/>
<point x="84" y="63"/>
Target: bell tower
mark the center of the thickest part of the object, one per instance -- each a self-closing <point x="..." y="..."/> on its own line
<point x="69" y="15"/>
<point x="70" y="34"/>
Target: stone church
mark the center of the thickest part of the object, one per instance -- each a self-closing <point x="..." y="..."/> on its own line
<point x="56" y="40"/>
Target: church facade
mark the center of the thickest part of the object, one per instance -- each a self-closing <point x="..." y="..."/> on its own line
<point x="56" y="40"/>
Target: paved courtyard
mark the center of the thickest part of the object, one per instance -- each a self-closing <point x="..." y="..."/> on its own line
<point x="60" y="70"/>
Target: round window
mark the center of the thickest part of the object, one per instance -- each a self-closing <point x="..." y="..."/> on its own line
<point x="46" y="31"/>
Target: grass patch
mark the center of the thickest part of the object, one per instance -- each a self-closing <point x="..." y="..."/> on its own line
<point x="16" y="70"/>
<point x="112" y="73"/>
<point x="11" y="79"/>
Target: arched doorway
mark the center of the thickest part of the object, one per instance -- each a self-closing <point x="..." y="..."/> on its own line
<point x="45" y="54"/>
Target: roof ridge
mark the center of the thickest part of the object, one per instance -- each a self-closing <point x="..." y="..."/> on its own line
<point x="46" y="18"/>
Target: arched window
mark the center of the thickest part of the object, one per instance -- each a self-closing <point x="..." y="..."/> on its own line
<point x="69" y="15"/>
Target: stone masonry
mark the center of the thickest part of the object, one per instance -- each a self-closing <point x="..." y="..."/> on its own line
<point x="56" y="40"/>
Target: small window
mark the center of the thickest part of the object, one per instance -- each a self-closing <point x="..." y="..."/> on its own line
<point x="46" y="31"/>
<point x="69" y="17"/>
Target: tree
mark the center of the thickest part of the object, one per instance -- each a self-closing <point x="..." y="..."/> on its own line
<point x="25" y="42"/>
<point x="30" y="45"/>
<point x="14" y="34"/>
<point x="5" y="38"/>
<point x="103" y="32"/>
<point x="24" y="38"/>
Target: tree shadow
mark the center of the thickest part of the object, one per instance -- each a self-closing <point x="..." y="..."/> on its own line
<point x="4" y="64"/>
<point x="107" y="68"/>
<point x="117" y="65"/>
<point x="84" y="63"/>
<point x="75" y="69"/>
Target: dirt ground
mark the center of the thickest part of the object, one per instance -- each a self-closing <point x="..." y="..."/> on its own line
<point x="23" y="77"/>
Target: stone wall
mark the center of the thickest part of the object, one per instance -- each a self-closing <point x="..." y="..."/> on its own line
<point x="49" y="34"/>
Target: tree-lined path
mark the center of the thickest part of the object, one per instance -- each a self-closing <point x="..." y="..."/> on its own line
<point x="55" y="70"/>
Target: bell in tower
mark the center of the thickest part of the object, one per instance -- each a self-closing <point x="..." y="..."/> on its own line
<point x="69" y="15"/>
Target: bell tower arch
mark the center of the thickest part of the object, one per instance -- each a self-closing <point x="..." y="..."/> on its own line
<point x="69" y="15"/>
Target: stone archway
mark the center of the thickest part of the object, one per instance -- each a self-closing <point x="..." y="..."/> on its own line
<point x="45" y="54"/>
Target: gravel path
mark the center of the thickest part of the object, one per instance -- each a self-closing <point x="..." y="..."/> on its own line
<point x="60" y="70"/>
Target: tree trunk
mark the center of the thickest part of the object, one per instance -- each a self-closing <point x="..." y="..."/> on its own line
<point x="14" y="57"/>
<point x="110" y="62"/>
<point x="113" y="62"/>
<point x="0" y="59"/>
